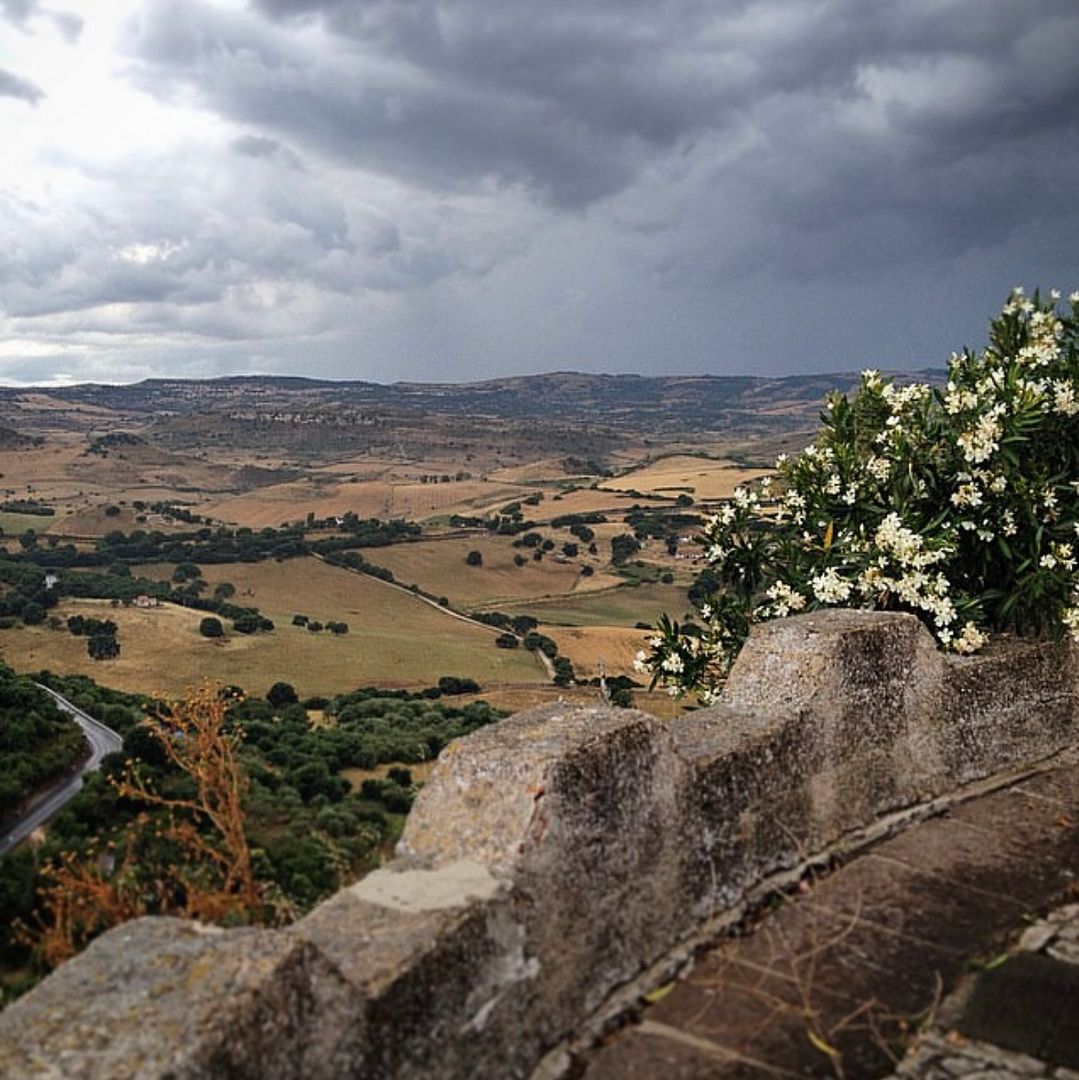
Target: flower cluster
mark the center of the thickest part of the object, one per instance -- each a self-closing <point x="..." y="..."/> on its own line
<point x="959" y="504"/>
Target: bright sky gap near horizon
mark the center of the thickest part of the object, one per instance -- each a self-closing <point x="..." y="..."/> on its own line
<point x="442" y="190"/>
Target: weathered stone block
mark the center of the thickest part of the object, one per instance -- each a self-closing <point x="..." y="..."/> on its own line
<point x="165" y="997"/>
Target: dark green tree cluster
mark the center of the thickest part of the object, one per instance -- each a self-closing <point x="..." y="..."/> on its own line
<point x="623" y="546"/>
<point x="27" y="506"/>
<point x="38" y="741"/>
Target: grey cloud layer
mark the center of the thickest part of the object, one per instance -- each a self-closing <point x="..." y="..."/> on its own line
<point x="396" y="162"/>
<point x="576" y="100"/>
<point x="23" y="13"/>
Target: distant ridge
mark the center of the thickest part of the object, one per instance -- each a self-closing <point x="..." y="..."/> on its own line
<point x="660" y="403"/>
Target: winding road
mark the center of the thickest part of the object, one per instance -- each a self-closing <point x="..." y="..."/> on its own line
<point x="103" y="740"/>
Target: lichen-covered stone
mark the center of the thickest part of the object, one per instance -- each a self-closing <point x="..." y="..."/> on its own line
<point x="162" y="997"/>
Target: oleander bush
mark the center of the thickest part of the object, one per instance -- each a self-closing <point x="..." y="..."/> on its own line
<point x="959" y="504"/>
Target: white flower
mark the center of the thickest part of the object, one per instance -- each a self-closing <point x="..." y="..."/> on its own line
<point x="830" y="588"/>
<point x="1064" y="400"/>
<point x="879" y="468"/>
<point x="966" y="495"/>
<point x="673" y="664"/>
<point x="784" y="599"/>
<point x="970" y="640"/>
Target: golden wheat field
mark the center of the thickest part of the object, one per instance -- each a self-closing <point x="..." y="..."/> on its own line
<point x="682" y="474"/>
<point x="293" y="501"/>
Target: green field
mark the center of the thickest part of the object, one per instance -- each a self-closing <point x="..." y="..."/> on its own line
<point x="17" y="524"/>
<point x="622" y="606"/>
<point x="439" y="567"/>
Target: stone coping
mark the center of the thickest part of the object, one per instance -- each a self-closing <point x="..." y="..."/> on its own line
<point x="554" y="858"/>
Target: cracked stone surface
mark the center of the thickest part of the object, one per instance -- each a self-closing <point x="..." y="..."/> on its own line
<point x="848" y="971"/>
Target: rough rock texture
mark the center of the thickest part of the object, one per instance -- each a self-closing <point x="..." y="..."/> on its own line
<point x="553" y="857"/>
<point x="1019" y="1018"/>
<point x="165" y="997"/>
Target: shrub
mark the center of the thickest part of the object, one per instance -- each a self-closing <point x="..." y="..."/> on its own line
<point x="102" y="647"/>
<point x="474" y="558"/>
<point x="211" y="627"/>
<point x="451" y="684"/>
<point x="959" y="505"/>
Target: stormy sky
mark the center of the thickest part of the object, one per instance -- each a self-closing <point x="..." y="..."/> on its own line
<point x="456" y="189"/>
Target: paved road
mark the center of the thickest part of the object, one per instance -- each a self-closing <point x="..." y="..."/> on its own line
<point x="103" y="740"/>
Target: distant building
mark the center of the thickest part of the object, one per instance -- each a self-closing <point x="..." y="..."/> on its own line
<point x="144" y="601"/>
<point x="51" y="580"/>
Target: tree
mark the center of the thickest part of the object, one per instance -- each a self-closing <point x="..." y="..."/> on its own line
<point x="281" y="694"/>
<point x="211" y="627"/>
<point x="451" y="684"/>
<point x="474" y="558"/>
<point x="102" y="647"/>
<point x="563" y="671"/>
<point x="623" y="546"/>
<point x="506" y="641"/>
<point x="33" y="613"/>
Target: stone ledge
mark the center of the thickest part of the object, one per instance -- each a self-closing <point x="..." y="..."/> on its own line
<point x="553" y="858"/>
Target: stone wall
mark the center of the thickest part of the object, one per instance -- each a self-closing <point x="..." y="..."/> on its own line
<point x="557" y="858"/>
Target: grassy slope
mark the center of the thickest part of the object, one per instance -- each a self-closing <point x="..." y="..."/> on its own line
<point x="395" y="639"/>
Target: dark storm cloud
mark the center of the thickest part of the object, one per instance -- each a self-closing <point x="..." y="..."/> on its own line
<point x="13" y="86"/>
<point x="579" y="102"/>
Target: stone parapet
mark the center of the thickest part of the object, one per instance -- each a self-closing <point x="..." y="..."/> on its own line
<point x="553" y="858"/>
